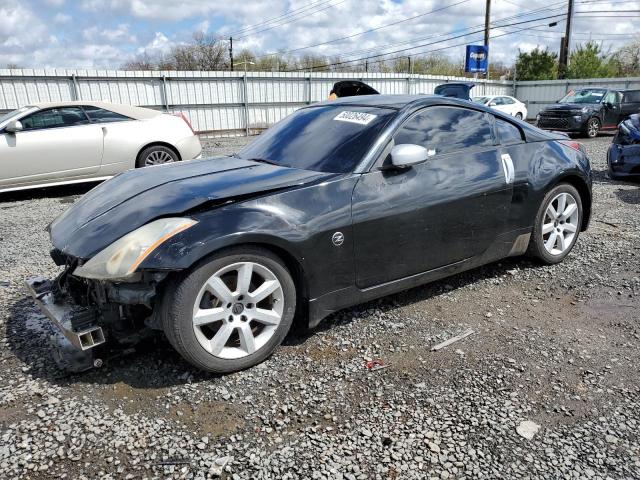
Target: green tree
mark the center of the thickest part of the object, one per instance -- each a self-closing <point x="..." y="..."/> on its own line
<point x="537" y="65"/>
<point x="589" y="61"/>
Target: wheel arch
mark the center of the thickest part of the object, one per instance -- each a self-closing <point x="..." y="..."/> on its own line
<point x="577" y="182"/>
<point x="157" y="144"/>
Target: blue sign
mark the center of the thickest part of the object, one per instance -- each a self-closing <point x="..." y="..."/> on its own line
<point x="476" y="58"/>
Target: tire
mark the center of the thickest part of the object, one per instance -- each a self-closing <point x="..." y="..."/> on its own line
<point x="593" y="127"/>
<point x="540" y="244"/>
<point x="204" y="346"/>
<point x="156" y="155"/>
<point x="519" y="116"/>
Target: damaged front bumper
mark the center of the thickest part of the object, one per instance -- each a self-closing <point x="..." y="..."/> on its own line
<point x="77" y="324"/>
<point x="86" y="315"/>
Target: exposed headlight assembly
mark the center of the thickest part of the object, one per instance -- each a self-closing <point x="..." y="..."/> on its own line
<point x="121" y="259"/>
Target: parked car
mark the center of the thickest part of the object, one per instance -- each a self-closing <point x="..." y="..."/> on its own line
<point x="339" y="203"/>
<point x="588" y="111"/>
<point x="351" y="88"/>
<point x="459" y="90"/>
<point x="623" y="156"/>
<point x="48" y="144"/>
<point x="504" y="103"/>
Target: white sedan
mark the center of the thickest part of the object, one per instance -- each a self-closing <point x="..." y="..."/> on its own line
<point x="48" y="144"/>
<point x="504" y="103"/>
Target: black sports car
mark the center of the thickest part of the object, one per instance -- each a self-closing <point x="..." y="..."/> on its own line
<point x="339" y="203"/>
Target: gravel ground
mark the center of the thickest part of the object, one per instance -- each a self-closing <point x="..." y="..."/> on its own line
<point x="557" y="346"/>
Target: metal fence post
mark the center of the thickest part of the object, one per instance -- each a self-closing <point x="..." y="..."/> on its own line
<point x="76" y="88"/>
<point x="409" y="85"/>
<point x="164" y="93"/>
<point x="246" y="104"/>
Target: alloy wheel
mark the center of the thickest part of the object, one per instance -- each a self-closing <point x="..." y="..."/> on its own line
<point x="560" y="224"/>
<point x="158" y="157"/>
<point x="238" y="310"/>
<point x="593" y="127"/>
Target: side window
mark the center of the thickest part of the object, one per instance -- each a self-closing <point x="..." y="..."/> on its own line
<point x="508" y="133"/>
<point x="100" y="115"/>
<point x="632" y="96"/>
<point x="612" y="97"/>
<point x="446" y="129"/>
<point x="54" y="118"/>
<point x="496" y="101"/>
<point x="508" y="101"/>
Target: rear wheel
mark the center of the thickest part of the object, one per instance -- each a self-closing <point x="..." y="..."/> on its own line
<point x="519" y="116"/>
<point x="156" y="155"/>
<point x="232" y="312"/>
<point x="557" y="224"/>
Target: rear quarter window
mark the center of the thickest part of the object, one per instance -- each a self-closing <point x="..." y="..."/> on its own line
<point x="632" y="97"/>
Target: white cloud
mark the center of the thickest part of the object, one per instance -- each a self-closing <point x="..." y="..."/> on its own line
<point x="62" y="18"/>
<point x="55" y="3"/>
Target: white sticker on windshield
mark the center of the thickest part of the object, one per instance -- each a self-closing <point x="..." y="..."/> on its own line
<point x="355" y="117"/>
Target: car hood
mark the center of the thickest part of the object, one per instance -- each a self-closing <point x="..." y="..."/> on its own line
<point x="134" y="198"/>
<point x="570" y="106"/>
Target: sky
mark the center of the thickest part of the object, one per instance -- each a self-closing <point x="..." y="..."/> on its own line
<point x="108" y="33"/>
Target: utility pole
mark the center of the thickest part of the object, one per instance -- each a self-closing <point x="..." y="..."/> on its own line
<point x="565" y="44"/>
<point x="366" y="65"/>
<point x="487" y="21"/>
<point x="409" y="66"/>
<point x="231" y="51"/>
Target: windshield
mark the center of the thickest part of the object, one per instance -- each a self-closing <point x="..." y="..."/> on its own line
<point x="331" y="138"/>
<point x="9" y="115"/>
<point x="482" y="100"/>
<point x="588" y="95"/>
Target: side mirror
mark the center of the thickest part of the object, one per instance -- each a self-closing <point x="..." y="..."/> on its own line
<point x="406" y="155"/>
<point x="13" y="126"/>
<point x="492" y="103"/>
<point x="608" y="104"/>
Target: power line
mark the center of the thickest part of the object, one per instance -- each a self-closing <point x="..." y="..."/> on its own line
<point x="292" y="19"/>
<point x="280" y="17"/>
<point x="367" y="31"/>
<point x="425" y="44"/>
<point x="377" y="48"/>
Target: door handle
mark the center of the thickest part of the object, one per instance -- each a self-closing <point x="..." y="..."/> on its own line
<point x="507" y="167"/>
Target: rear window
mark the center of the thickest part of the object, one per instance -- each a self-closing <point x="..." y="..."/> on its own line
<point x="331" y="138"/>
<point x="633" y="96"/>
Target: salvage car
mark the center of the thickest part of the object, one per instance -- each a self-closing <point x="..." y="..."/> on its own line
<point x="339" y="203"/>
<point x="505" y="104"/>
<point x="623" y="156"/>
<point x="48" y="144"/>
<point x="588" y="111"/>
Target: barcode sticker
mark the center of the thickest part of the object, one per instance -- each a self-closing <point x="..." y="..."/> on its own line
<point x="355" y="117"/>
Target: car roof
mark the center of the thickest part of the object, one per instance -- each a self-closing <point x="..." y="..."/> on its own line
<point x="397" y="102"/>
<point x="137" y="113"/>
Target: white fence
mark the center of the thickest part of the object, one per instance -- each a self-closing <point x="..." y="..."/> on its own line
<point x="226" y="103"/>
<point x="230" y="103"/>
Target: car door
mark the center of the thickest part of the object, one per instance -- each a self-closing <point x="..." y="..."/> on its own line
<point x="448" y="209"/>
<point x="54" y="144"/>
<point x="612" y="109"/>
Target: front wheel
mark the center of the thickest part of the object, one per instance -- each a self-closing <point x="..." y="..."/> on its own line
<point x="557" y="225"/>
<point x="231" y="312"/>
<point x="593" y="127"/>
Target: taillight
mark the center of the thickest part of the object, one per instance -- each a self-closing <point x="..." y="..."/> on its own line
<point x="181" y="115"/>
<point x="573" y="144"/>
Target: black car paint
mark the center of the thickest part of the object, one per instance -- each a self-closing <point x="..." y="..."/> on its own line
<point x="623" y="155"/>
<point x="569" y="117"/>
<point x="295" y="213"/>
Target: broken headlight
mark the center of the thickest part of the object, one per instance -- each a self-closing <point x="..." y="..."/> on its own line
<point x="121" y="259"/>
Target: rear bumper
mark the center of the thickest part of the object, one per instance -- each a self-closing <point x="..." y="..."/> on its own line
<point x="189" y="147"/>
<point x="77" y="324"/>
